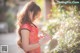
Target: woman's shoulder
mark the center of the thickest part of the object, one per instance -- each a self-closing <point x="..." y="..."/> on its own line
<point x="26" y="26"/>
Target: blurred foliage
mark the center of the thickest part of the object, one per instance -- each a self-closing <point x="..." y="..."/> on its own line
<point x="40" y="3"/>
<point x="68" y="21"/>
<point x="9" y="14"/>
<point x="10" y="19"/>
<point x="1" y="10"/>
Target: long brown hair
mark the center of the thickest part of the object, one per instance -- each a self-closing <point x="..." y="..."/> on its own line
<point x="23" y="16"/>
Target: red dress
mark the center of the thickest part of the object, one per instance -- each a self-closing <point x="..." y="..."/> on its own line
<point x="33" y="37"/>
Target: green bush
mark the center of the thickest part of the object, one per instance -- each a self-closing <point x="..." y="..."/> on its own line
<point x="10" y="19"/>
<point x="68" y="21"/>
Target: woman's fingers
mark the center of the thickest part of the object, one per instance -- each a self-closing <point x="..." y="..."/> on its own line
<point x="45" y="39"/>
<point x="48" y="36"/>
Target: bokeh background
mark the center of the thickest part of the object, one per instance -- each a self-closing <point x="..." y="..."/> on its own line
<point x="60" y="19"/>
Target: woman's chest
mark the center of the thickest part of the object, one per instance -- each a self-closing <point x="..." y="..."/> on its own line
<point x="34" y="35"/>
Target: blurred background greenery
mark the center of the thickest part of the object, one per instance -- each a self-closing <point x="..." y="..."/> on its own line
<point x="63" y="23"/>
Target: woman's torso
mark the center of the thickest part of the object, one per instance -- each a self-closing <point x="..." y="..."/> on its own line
<point x="33" y="37"/>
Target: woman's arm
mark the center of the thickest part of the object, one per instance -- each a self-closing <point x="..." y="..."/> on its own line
<point x="25" y="41"/>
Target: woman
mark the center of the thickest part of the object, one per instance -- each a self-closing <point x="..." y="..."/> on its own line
<point x="28" y="32"/>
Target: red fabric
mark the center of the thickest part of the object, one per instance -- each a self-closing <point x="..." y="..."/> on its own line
<point x="33" y="37"/>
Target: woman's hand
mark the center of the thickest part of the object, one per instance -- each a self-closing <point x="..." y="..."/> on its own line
<point x="44" y="40"/>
